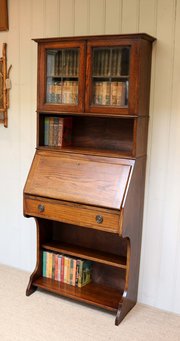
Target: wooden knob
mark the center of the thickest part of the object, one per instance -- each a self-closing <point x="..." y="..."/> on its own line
<point x="99" y="219"/>
<point x="41" y="208"/>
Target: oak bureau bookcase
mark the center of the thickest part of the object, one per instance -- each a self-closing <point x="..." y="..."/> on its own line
<point x="86" y="192"/>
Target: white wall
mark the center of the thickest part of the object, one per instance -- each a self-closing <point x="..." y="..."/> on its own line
<point x="160" y="261"/>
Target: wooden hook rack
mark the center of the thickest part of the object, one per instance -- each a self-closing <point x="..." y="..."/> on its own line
<point x="5" y="85"/>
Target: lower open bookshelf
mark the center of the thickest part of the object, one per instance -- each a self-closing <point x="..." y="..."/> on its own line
<point x="92" y="293"/>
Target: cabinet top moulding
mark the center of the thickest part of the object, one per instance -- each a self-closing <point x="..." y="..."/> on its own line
<point x="98" y="37"/>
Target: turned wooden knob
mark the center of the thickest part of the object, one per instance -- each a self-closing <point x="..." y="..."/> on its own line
<point x="99" y="219"/>
<point x="41" y="208"/>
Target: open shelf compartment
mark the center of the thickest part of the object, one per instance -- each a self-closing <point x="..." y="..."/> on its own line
<point x="92" y="293"/>
<point x="87" y="253"/>
<point x="91" y="135"/>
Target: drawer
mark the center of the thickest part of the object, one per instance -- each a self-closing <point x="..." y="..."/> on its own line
<point x="81" y="215"/>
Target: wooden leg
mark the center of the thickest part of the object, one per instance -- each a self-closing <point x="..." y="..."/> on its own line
<point x="130" y="292"/>
<point x="38" y="269"/>
<point x="123" y="309"/>
<point x="31" y="288"/>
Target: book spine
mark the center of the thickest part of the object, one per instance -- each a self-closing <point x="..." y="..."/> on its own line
<point x="53" y="266"/>
<point x="65" y="269"/>
<point x="77" y="271"/>
<point x="62" y="269"/>
<point x="71" y="271"/>
<point x="56" y="268"/>
<point x="46" y="131"/>
<point x="80" y="273"/>
<point x="55" y="132"/>
<point x="59" y="267"/>
<point x="44" y="263"/>
<point x="85" y="274"/>
<point x="50" y="264"/>
<point x="121" y="93"/>
<point x="74" y="272"/>
<point x="51" y="131"/>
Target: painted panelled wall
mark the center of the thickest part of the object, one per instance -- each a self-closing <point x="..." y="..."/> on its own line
<point x="160" y="262"/>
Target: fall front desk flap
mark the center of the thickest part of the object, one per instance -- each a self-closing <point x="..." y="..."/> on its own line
<point x="84" y="179"/>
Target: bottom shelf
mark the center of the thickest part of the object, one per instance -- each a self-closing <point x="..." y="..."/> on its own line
<point x="92" y="293"/>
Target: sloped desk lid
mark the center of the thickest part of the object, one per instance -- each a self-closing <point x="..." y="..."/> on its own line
<point x="85" y="179"/>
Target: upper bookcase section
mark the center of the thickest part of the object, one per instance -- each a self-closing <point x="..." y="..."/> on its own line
<point x="99" y="75"/>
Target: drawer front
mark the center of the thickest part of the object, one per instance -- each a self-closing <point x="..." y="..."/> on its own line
<point x="72" y="214"/>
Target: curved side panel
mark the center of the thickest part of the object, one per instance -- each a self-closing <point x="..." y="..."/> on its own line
<point x="132" y="229"/>
<point x="37" y="271"/>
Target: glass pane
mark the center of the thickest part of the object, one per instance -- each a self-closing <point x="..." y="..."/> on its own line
<point x="101" y="62"/>
<point x="109" y="93"/>
<point x="62" y="76"/>
<point x="110" y="76"/>
<point x="70" y="66"/>
<point x="70" y="92"/>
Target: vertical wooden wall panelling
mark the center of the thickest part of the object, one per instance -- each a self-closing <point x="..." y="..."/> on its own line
<point x="81" y="16"/>
<point x="175" y="138"/>
<point x="148" y="16"/>
<point x="25" y="55"/>
<point x="27" y="117"/>
<point x="130" y="18"/>
<point x="150" y="26"/>
<point x="170" y="220"/>
<point x="9" y="150"/>
<point x="38" y="18"/>
<point x="113" y="18"/>
<point x="67" y="20"/>
<point x="97" y="17"/>
<point x="37" y="31"/>
<point x="51" y="18"/>
<point x="157" y="211"/>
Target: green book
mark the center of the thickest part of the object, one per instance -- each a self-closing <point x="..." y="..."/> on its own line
<point x="85" y="271"/>
<point x="44" y="263"/>
<point x="46" y="131"/>
<point x="71" y="271"/>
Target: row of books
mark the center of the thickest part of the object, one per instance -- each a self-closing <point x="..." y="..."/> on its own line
<point x="110" y="62"/>
<point x="110" y="93"/>
<point x="63" y="62"/>
<point x="62" y="92"/>
<point x="57" y="131"/>
<point x="76" y="272"/>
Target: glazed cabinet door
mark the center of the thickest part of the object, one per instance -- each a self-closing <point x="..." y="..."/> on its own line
<point x="110" y="82"/>
<point x="61" y="76"/>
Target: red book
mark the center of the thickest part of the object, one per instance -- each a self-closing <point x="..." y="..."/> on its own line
<point x="64" y="131"/>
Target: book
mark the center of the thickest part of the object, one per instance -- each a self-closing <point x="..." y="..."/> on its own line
<point x="78" y="261"/>
<point x="84" y="275"/>
<point x="62" y="269"/>
<point x="59" y="265"/>
<point x="57" y="131"/>
<point x="51" y="131"/>
<point x="121" y="93"/>
<point x="56" y="268"/>
<point x="44" y="263"/>
<point x="71" y="271"/>
<point x="65" y="131"/>
<point x="76" y="272"/>
<point x="49" y="264"/>
<point x="53" y="266"/>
